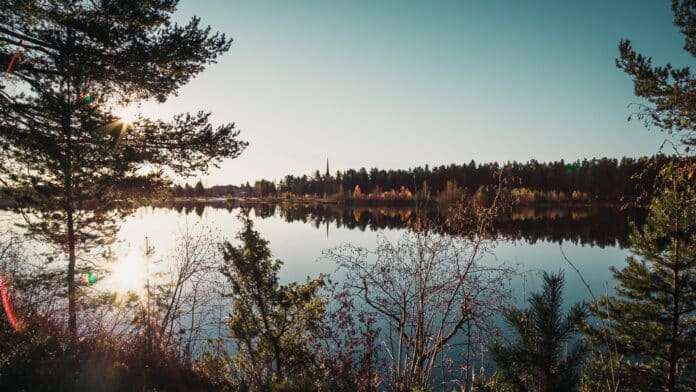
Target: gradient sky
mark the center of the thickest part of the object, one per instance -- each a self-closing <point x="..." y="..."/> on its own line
<point x="397" y="84"/>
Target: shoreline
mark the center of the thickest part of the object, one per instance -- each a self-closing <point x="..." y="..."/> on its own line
<point x="364" y="203"/>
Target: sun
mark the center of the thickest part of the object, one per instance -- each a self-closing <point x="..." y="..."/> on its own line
<point x="127" y="114"/>
<point x="129" y="274"/>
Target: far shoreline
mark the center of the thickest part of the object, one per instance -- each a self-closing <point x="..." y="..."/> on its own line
<point x="366" y="202"/>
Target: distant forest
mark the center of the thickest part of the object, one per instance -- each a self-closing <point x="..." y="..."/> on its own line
<point x="587" y="181"/>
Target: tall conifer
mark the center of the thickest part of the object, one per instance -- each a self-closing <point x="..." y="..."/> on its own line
<point x="651" y="320"/>
<point x="68" y="163"/>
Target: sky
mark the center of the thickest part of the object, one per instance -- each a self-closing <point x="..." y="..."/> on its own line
<point x="400" y="84"/>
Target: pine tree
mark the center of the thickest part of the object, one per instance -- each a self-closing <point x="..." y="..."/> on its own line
<point x="272" y="324"/>
<point x="199" y="189"/>
<point x="540" y="359"/>
<point x="670" y="91"/>
<point x="188" y="190"/>
<point x="651" y="318"/>
<point x="69" y="163"/>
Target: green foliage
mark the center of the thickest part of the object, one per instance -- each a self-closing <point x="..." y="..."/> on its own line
<point x="545" y="356"/>
<point x="272" y="324"/>
<point x="604" y="371"/>
<point x="216" y="369"/>
<point x="668" y="90"/>
<point x="651" y="317"/>
<point x="647" y="338"/>
<point x="497" y="383"/>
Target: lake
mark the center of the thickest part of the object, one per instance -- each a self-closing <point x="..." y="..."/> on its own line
<point x="530" y="238"/>
<point x="593" y="238"/>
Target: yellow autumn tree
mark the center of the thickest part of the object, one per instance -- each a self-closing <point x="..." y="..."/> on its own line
<point x="356" y="191"/>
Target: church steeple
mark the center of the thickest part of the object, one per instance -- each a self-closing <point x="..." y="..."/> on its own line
<point x="328" y="173"/>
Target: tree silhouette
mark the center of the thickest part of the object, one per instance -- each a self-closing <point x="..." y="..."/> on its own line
<point x="199" y="189"/>
<point x="70" y="165"/>
<point x="601" y="180"/>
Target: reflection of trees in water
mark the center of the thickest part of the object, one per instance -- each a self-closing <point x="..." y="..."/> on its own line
<point x="586" y="226"/>
<point x="533" y="213"/>
<point x="348" y="217"/>
<point x="597" y="226"/>
<point x="263" y="210"/>
<point x="260" y="210"/>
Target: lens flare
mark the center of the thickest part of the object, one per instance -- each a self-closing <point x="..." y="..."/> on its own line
<point x="6" y="304"/>
<point x="86" y="97"/>
<point x="15" y="57"/>
<point x="127" y="114"/>
<point x="89" y="279"/>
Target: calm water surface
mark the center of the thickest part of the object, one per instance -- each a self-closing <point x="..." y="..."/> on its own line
<point x="593" y="239"/>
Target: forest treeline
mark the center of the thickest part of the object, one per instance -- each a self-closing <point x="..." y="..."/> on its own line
<point x="603" y="180"/>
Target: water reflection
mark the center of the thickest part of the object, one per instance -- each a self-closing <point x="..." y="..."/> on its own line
<point x="129" y="274"/>
<point x="594" y="226"/>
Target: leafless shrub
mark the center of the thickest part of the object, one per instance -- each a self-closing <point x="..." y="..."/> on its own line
<point x="180" y="306"/>
<point x="430" y="290"/>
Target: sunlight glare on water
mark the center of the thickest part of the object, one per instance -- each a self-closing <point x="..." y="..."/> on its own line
<point x="128" y="274"/>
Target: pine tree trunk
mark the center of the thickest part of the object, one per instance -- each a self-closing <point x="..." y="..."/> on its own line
<point x="72" y="294"/>
<point x="279" y="365"/>
<point x="544" y="387"/>
<point x="671" y="377"/>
